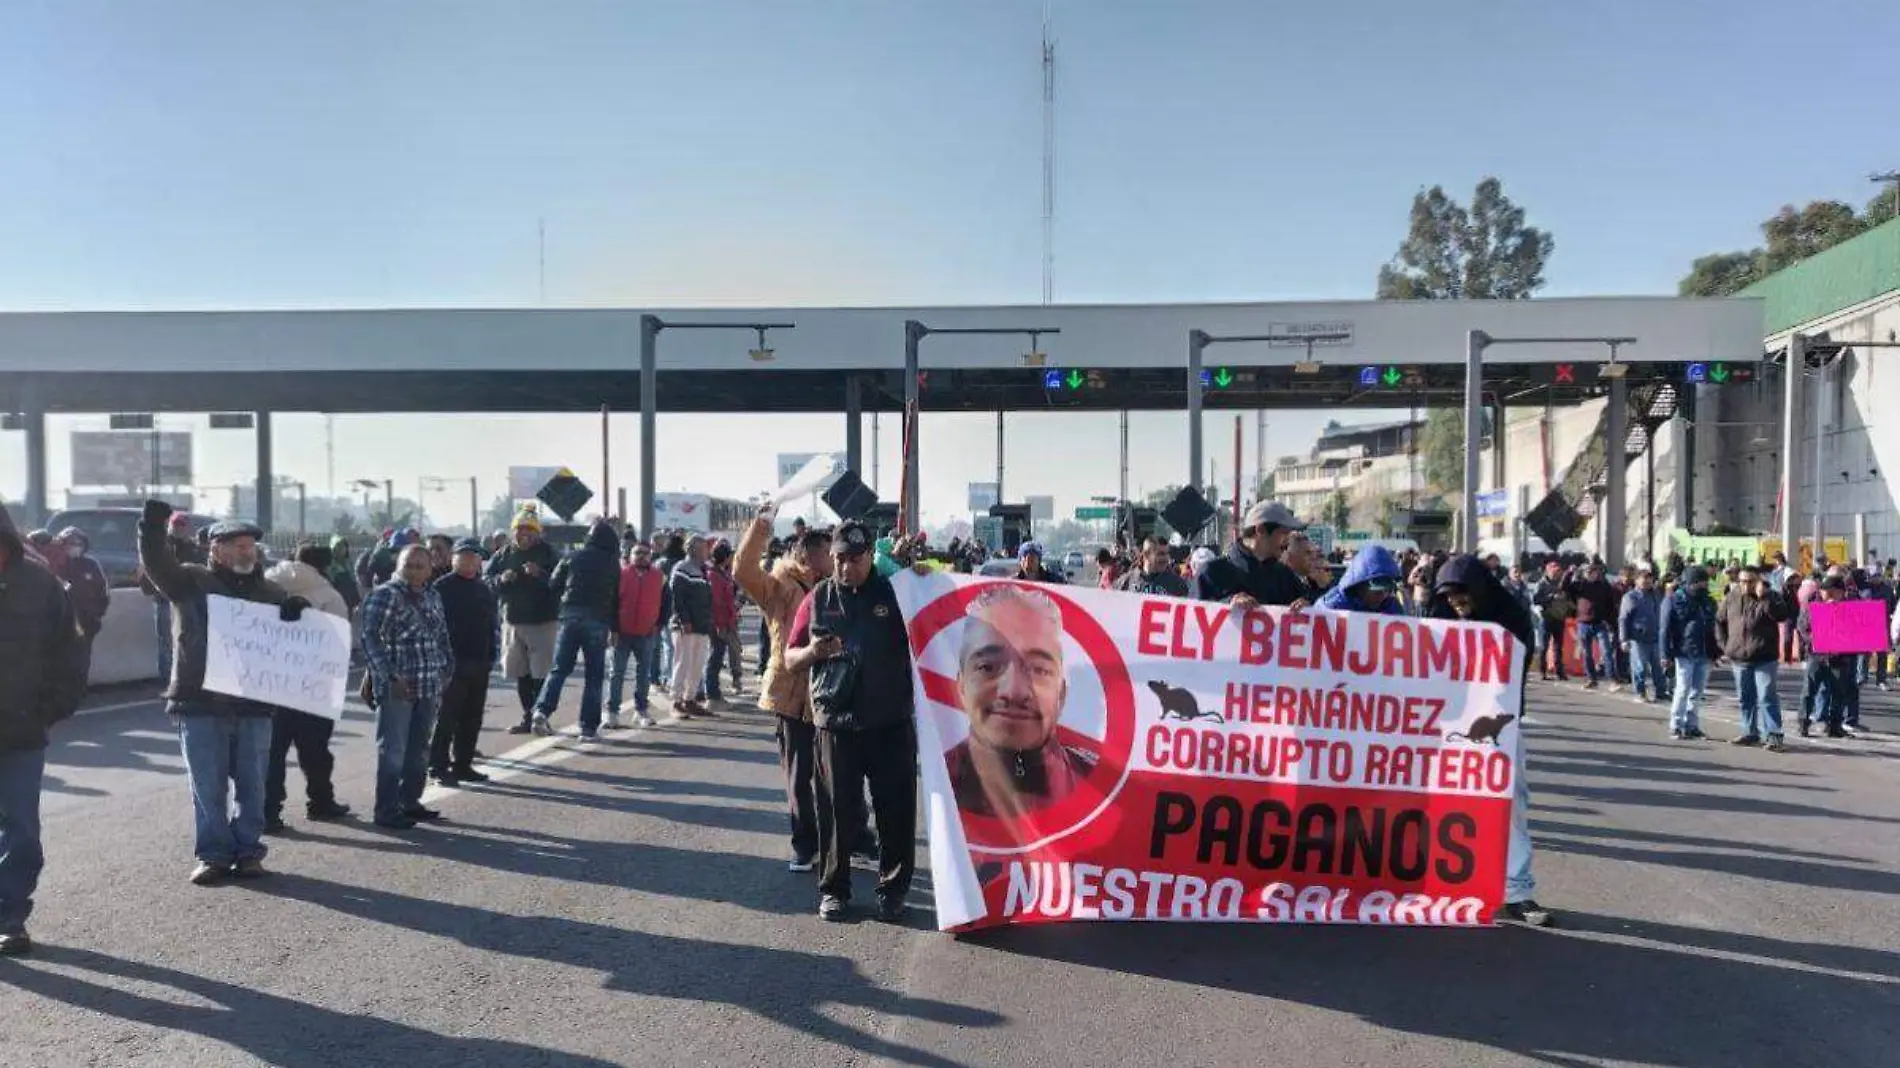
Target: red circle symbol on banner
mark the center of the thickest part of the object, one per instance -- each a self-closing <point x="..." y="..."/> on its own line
<point x="998" y="835"/>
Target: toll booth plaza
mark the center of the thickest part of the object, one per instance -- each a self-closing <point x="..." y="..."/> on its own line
<point x="1178" y="357"/>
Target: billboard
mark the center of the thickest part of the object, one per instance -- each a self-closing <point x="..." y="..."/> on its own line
<point x="983" y="497"/>
<point x="682" y="511"/>
<point x="791" y="463"/>
<point x="524" y="483"/>
<point x="1042" y="508"/>
<point x="124" y="457"/>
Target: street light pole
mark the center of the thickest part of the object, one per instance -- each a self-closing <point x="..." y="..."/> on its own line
<point x="914" y="335"/>
<point x="650" y="327"/>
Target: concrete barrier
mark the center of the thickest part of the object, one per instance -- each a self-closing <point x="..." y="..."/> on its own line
<point x="126" y="649"/>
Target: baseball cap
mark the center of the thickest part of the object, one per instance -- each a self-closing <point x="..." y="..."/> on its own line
<point x="1694" y="575"/>
<point x="1271" y="513"/>
<point x="1029" y="547"/>
<point x="853" y="539"/>
<point x="469" y="545"/>
<point x="226" y="529"/>
<point x="178" y="519"/>
<point x="1833" y="582"/>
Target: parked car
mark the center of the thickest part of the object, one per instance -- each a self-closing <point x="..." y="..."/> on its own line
<point x="1001" y="567"/>
<point x="113" y="533"/>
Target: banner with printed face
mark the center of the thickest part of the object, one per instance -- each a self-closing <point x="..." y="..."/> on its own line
<point x="1089" y="754"/>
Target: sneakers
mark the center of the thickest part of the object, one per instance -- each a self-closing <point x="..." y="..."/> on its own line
<point x="249" y="868"/>
<point x="832" y="909"/>
<point x="470" y="775"/>
<point x="328" y="810"/>
<point x="1806" y="731"/>
<point x="1591" y="685"/>
<point x="1746" y="740"/>
<point x="642" y="720"/>
<point x="1774" y="744"/>
<point x="15" y="944"/>
<point x="206" y="873"/>
<point x="445" y="777"/>
<point x="540" y="725"/>
<point x="590" y="736"/>
<point x="1852" y="728"/>
<point x="1677" y="734"/>
<point x="1526" y="912"/>
<point x="802" y="862"/>
<point x="1835" y="732"/>
<point x="1694" y="733"/>
<point x="520" y="728"/>
<point x="611" y="722"/>
<point x="419" y="813"/>
<point x="891" y="907"/>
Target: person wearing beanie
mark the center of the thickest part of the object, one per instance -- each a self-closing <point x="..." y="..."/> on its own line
<point x="520" y="574"/>
<point x="41" y="681"/>
<point x="86" y="585"/>
<point x="587" y="586"/>
<point x="1686" y="640"/>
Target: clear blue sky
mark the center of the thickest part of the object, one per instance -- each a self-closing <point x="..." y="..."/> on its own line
<point x="190" y="155"/>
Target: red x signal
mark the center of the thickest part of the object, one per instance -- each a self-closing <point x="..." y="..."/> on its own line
<point x="1566" y="374"/>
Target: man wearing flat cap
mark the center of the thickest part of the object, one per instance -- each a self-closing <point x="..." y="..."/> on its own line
<point x="226" y="739"/>
<point x="1253" y="573"/>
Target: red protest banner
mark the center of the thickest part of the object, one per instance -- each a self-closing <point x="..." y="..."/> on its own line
<point x="1097" y="755"/>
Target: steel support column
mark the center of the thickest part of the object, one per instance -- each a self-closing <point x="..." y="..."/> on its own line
<point x="649" y="418"/>
<point x="1790" y="415"/>
<point x="266" y="476"/>
<point x="1197" y="345"/>
<point x="853" y="424"/>
<point x="1616" y="498"/>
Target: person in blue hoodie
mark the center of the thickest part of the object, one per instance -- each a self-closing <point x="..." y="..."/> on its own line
<point x="1369" y="584"/>
<point x="1686" y="629"/>
<point x="1639" y="621"/>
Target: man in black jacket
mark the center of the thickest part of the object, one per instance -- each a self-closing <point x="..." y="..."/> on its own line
<point x="520" y="574"/>
<point x="1596" y="602"/>
<point x="469" y="607"/>
<point x="226" y="739"/>
<point x="587" y="586"/>
<point x="1466" y="589"/>
<point x="1748" y="629"/>
<point x="1252" y="573"/>
<point x="41" y="680"/>
<point x="850" y="635"/>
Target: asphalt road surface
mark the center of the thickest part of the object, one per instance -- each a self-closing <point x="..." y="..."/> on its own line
<point x="627" y="903"/>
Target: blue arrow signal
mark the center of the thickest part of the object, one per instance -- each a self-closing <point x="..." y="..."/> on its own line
<point x="1369" y="376"/>
<point x="1207" y="379"/>
<point x="1696" y="372"/>
<point x="1052" y="380"/>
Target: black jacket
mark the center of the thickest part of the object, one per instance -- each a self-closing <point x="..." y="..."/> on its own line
<point x="525" y="599"/>
<point x="1596" y="601"/>
<point x="186" y="586"/>
<point x="42" y="660"/>
<point x="1749" y="628"/>
<point x="1266" y="581"/>
<point x="872" y="629"/>
<point x="1165" y="584"/>
<point x="469" y="607"/>
<point x="691" y="596"/>
<point x="1491" y="602"/>
<point x="587" y="582"/>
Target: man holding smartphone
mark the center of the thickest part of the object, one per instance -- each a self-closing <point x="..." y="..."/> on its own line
<point x="849" y="639"/>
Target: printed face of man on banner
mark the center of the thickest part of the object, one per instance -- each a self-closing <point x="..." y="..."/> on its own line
<point x="1012" y="683"/>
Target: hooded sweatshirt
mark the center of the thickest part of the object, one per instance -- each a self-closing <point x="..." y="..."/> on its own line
<point x="1372" y="562"/>
<point x="586" y="582"/>
<point x="1491" y="602"/>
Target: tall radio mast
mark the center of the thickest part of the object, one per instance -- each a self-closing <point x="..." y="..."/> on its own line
<point x="1048" y="154"/>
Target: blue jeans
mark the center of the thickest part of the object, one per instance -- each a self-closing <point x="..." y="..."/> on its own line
<point x="162" y="623"/>
<point x="641" y="649"/>
<point x="1643" y="667"/>
<point x="1692" y="687"/>
<point x="663" y="649"/>
<point x="20" y="855"/>
<point x="1761" y="706"/>
<point x="713" y="663"/>
<point x="586" y="639"/>
<point x="225" y="750"/>
<point x="403" y="730"/>
<point x="1595" y="639"/>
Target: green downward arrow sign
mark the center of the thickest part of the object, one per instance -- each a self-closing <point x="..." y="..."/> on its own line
<point x="1392" y="376"/>
<point x="1223" y="378"/>
<point x="1075" y="380"/>
<point x="1718" y="373"/>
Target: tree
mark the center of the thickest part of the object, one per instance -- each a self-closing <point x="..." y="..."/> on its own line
<point x="1443" y="445"/>
<point x="1789" y="236"/>
<point x="1337" y="511"/>
<point x="1484" y="252"/>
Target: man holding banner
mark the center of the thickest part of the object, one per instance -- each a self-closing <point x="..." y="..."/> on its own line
<point x="226" y="739"/>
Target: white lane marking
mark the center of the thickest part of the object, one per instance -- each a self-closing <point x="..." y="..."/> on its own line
<point x="155" y="699"/>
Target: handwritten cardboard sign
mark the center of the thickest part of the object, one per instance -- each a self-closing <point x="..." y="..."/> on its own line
<point x="251" y="653"/>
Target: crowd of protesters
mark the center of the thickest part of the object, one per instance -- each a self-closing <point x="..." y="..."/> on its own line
<point x="434" y="619"/>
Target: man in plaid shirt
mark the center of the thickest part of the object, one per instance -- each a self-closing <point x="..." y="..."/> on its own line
<point x="406" y="640"/>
